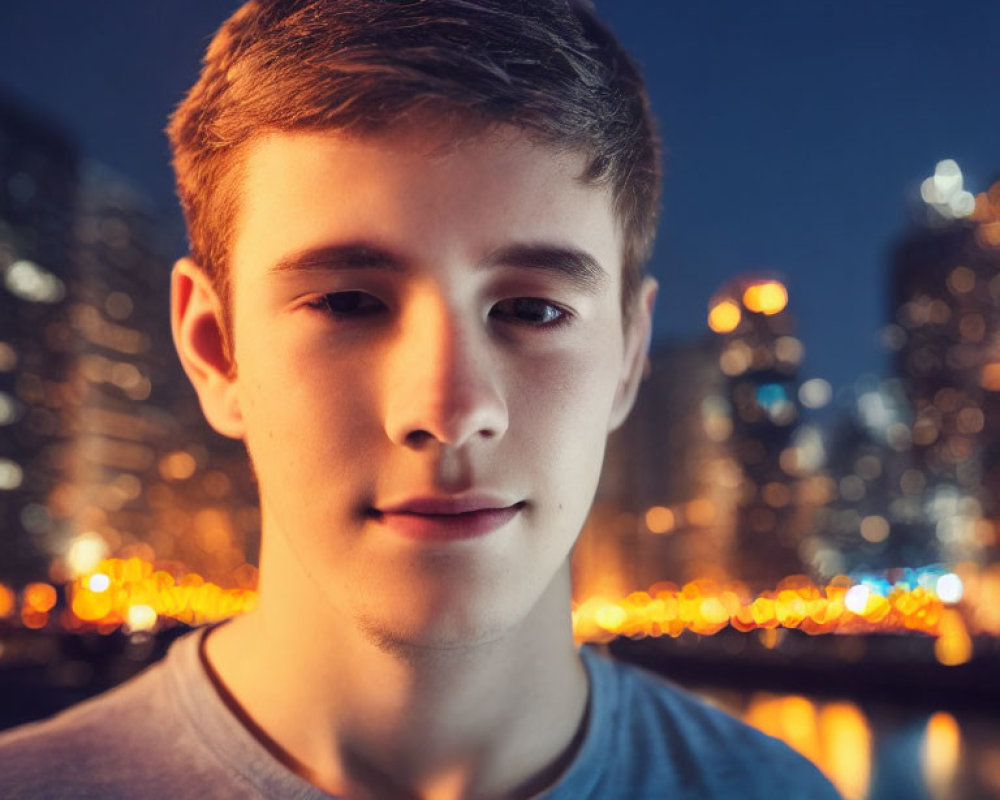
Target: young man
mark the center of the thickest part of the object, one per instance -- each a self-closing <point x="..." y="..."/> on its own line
<point x="418" y="231"/>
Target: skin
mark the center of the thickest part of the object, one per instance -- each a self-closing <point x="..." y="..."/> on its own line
<point x="383" y="353"/>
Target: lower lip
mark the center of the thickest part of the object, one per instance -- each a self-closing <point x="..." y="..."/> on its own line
<point x="447" y="527"/>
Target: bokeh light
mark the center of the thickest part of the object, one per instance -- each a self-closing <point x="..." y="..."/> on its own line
<point x="724" y="317"/>
<point x="767" y="297"/>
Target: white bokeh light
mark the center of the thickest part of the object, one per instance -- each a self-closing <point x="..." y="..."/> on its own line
<point x="27" y="280"/>
<point x="856" y="598"/>
<point x="11" y="474"/>
<point x="949" y="588"/>
<point x="815" y="393"/>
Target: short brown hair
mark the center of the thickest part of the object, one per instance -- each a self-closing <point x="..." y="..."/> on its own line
<point x="548" y="67"/>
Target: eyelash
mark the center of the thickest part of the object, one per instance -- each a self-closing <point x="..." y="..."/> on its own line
<point x="325" y="303"/>
<point x="361" y="305"/>
<point x="562" y="315"/>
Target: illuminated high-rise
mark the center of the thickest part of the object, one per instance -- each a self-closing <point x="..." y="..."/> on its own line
<point x="760" y="358"/>
<point x="38" y="175"/>
<point x="146" y="477"/>
<point x="945" y="302"/>
<point x="103" y="449"/>
<point x="664" y="508"/>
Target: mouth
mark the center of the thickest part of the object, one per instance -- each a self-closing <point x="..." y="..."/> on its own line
<point x="448" y="519"/>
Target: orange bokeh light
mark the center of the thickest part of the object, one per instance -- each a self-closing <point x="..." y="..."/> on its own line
<point x="660" y="519"/>
<point x="126" y="585"/>
<point x="40" y="596"/>
<point x="724" y="317"/>
<point x="990" y="377"/>
<point x="705" y="607"/>
<point x="7" y="601"/>
<point x="767" y="297"/>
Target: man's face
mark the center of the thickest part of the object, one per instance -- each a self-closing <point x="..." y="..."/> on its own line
<point x="429" y="354"/>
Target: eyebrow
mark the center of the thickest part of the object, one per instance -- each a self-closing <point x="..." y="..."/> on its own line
<point x="581" y="268"/>
<point x="347" y="256"/>
<point x="578" y="266"/>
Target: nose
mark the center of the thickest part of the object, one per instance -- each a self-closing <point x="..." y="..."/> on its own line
<point x="442" y="383"/>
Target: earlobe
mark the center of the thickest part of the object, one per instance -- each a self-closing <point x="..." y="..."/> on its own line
<point x="637" y="341"/>
<point x="198" y="325"/>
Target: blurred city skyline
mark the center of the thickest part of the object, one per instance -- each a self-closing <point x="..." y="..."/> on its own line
<point x="797" y="141"/>
<point x="796" y="136"/>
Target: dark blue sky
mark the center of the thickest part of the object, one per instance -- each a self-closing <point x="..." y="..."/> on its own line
<point x="796" y="130"/>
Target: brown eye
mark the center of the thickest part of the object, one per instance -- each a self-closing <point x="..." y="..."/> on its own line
<point x="529" y="311"/>
<point x="349" y="304"/>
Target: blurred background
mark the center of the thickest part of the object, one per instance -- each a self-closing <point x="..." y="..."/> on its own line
<point x="799" y="521"/>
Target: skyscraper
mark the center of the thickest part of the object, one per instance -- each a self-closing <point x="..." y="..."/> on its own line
<point x="945" y="305"/>
<point x="38" y="179"/>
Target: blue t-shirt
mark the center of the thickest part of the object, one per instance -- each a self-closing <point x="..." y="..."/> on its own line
<point x="168" y="734"/>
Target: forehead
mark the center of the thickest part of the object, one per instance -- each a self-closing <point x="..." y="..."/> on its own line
<point x="422" y="191"/>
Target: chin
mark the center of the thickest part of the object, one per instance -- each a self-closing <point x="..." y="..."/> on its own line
<point x="439" y="622"/>
<point x="414" y="638"/>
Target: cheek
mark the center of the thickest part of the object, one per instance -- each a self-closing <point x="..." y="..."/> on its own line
<point x="564" y="410"/>
<point x="302" y="416"/>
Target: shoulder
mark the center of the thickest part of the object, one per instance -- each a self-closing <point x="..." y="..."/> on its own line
<point x="91" y="742"/>
<point x="139" y="739"/>
<point x="665" y="730"/>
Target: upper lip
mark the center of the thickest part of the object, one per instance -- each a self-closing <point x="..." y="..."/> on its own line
<point x="463" y="504"/>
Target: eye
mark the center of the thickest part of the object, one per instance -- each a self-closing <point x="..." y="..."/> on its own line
<point x="348" y="304"/>
<point x="529" y="311"/>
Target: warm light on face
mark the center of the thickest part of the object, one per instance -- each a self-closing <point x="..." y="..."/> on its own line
<point x="484" y="337"/>
<point x="768" y="297"/>
<point x="724" y="317"/>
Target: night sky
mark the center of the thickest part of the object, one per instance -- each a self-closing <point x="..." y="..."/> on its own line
<point x="797" y="132"/>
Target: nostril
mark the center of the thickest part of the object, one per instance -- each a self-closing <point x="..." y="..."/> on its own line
<point x="418" y="438"/>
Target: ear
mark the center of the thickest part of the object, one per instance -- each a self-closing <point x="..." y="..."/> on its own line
<point x="199" y="328"/>
<point x="637" y="337"/>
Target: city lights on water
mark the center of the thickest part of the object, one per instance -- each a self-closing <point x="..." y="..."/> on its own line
<point x="835" y="735"/>
<point x="838" y="737"/>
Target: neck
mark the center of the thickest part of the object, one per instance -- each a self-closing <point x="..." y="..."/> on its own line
<point x="365" y="715"/>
